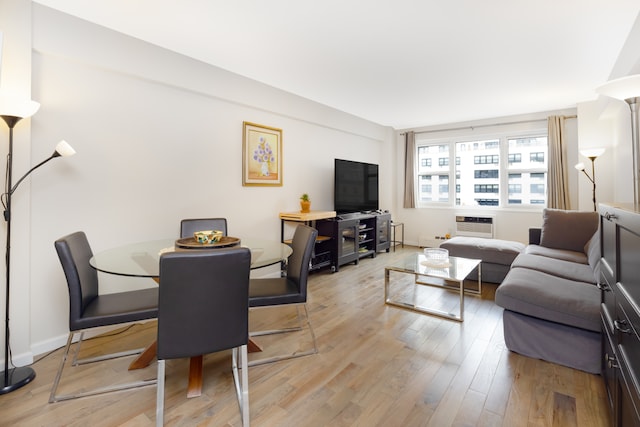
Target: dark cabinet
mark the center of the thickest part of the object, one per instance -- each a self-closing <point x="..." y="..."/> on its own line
<point x="356" y="236"/>
<point x="323" y="250"/>
<point x="620" y="288"/>
<point x="383" y="227"/>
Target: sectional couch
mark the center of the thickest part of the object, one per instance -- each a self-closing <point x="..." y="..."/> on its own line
<point x="550" y="298"/>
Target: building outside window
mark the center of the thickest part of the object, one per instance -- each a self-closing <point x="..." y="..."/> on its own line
<point x="433" y="173"/>
<point x="502" y="171"/>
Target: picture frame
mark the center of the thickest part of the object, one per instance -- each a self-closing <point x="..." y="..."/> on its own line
<point x="261" y="155"/>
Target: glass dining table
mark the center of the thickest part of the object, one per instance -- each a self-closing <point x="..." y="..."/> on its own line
<point x="142" y="259"/>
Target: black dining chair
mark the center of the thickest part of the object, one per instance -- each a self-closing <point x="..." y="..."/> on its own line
<point x="291" y="289"/>
<point x="190" y="226"/>
<point x="89" y="309"/>
<point x="204" y="308"/>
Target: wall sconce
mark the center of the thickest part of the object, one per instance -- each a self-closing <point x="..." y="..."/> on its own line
<point x="628" y="89"/>
<point x="12" y="110"/>
<point x="592" y="154"/>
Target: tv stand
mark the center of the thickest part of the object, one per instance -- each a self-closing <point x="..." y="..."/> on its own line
<point x="342" y="239"/>
<point x="355" y="236"/>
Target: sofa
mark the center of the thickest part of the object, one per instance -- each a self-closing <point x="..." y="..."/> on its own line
<point x="550" y="298"/>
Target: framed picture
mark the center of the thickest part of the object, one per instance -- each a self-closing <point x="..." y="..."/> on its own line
<point x="261" y="155"/>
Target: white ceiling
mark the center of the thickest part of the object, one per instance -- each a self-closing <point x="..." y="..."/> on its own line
<point x="401" y="63"/>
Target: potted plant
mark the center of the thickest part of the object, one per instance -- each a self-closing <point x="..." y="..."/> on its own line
<point x="305" y="203"/>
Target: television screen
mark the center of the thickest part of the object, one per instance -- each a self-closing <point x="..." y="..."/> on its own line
<point x="356" y="186"/>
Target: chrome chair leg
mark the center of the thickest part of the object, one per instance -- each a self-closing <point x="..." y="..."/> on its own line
<point x="160" y="394"/>
<point x="75" y="361"/>
<point x="314" y="350"/>
<point x="242" y="391"/>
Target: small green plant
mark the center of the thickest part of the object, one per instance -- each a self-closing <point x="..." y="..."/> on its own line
<point x="305" y="197"/>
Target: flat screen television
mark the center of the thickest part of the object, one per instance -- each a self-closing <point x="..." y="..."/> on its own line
<point x="356" y="186"/>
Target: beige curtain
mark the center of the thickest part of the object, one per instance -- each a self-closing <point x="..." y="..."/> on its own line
<point x="409" y="169"/>
<point x="557" y="178"/>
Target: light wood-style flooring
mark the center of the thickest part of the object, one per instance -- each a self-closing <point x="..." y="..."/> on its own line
<point x="377" y="365"/>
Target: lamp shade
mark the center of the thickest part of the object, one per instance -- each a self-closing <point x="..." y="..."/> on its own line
<point x="64" y="149"/>
<point x="592" y="152"/>
<point x="622" y="88"/>
<point x="17" y="106"/>
<point x="579" y="166"/>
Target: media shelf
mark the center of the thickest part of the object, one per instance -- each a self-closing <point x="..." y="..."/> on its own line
<point x="322" y="255"/>
<point x="342" y="239"/>
<point x="356" y="236"/>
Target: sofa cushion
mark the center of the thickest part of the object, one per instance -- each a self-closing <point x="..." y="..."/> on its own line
<point x="564" y="254"/>
<point x="569" y="230"/>
<point x="557" y="267"/>
<point x="552" y="298"/>
<point x="494" y="251"/>
<point x="592" y="249"/>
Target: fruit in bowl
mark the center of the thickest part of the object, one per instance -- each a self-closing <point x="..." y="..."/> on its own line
<point x="207" y="236"/>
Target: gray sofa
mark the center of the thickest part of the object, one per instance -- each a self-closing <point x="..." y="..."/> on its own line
<point x="551" y="304"/>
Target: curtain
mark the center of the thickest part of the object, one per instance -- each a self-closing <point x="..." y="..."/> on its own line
<point x="557" y="178"/>
<point x="409" y="170"/>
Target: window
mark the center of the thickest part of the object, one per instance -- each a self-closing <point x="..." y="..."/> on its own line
<point x="515" y="189"/>
<point x="483" y="173"/>
<point x="486" y="188"/>
<point x="434" y="178"/>
<point x="515" y="158"/>
<point x="537" y="188"/>
<point x="504" y="170"/>
<point x="485" y="160"/>
<point x="536" y="157"/>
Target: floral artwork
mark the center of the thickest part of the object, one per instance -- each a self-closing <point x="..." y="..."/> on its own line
<point x="263" y="154"/>
<point x="262" y="164"/>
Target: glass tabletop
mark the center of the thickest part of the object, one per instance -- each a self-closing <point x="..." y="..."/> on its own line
<point x="455" y="269"/>
<point x="142" y="259"/>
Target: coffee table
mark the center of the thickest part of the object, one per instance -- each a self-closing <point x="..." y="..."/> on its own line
<point x="449" y="276"/>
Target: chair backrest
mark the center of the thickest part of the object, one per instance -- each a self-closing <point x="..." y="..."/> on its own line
<point x="304" y="240"/>
<point x="190" y="226"/>
<point x="203" y="305"/>
<point x="75" y="252"/>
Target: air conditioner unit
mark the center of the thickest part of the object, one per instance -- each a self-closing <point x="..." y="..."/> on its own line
<point x="474" y="226"/>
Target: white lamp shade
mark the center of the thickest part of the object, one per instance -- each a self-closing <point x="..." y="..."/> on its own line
<point x="579" y="166"/>
<point x="622" y="88"/>
<point x="17" y="106"/>
<point x="64" y="149"/>
<point x="592" y="152"/>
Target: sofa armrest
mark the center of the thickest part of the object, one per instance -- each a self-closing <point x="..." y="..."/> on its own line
<point x="534" y="236"/>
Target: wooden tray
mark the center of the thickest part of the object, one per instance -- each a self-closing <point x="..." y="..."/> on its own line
<point x="191" y="243"/>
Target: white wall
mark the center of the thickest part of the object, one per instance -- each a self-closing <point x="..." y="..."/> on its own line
<point x="158" y="138"/>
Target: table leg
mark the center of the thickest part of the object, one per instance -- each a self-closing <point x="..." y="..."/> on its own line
<point x="194" y="388"/>
<point x="145" y="358"/>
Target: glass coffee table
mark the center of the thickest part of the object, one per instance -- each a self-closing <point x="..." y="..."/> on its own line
<point x="448" y="276"/>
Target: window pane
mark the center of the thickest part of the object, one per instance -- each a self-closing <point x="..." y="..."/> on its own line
<point x="433" y="174"/>
<point x="528" y="156"/>
<point x="478" y="173"/>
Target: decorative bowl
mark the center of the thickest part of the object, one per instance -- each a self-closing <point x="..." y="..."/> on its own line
<point x="208" y="236"/>
<point x="437" y="256"/>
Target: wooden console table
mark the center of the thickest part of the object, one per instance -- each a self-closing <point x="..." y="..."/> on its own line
<point x="322" y="256"/>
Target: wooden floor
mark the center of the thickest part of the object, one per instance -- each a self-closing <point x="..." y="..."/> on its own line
<point x="377" y="366"/>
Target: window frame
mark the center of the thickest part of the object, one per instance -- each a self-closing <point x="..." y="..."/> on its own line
<point x="470" y="136"/>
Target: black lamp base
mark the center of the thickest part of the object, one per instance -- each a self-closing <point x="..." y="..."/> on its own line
<point x="17" y="378"/>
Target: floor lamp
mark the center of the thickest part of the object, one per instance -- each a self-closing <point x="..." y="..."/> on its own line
<point x="628" y="89"/>
<point x="12" y="111"/>
<point x="592" y="154"/>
